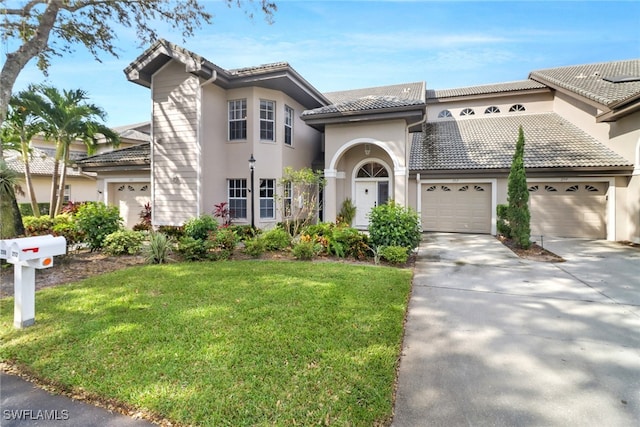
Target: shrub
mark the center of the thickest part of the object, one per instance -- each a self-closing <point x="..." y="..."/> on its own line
<point x="97" y="221"/>
<point x="224" y="238"/>
<point x="305" y="250"/>
<point x="199" y="228"/>
<point x="37" y="226"/>
<point x="502" y="224"/>
<point x="145" y="219"/>
<point x="347" y="212"/>
<point x="193" y="249"/>
<point x="64" y="225"/>
<point x="174" y="232"/>
<point x="393" y="225"/>
<point x="254" y="247"/>
<point x="244" y="232"/>
<point x="158" y="250"/>
<point x="395" y="254"/>
<point x="354" y="243"/>
<point x="123" y="242"/>
<point x="276" y="239"/>
<point x="27" y="210"/>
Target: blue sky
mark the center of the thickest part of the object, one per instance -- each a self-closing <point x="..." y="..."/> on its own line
<point x="338" y="45"/>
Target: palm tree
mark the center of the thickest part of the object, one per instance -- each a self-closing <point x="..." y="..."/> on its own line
<point x="67" y="118"/>
<point x="19" y="128"/>
<point x="10" y="218"/>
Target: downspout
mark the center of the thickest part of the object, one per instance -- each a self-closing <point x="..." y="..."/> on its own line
<point x="214" y="76"/>
<point x="407" y="154"/>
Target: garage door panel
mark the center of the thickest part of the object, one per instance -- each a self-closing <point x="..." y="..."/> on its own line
<point x="568" y="209"/>
<point x="462" y="208"/>
<point x="130" y="199"/>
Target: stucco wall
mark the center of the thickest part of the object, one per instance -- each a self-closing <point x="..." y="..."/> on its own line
<point x="223" y="159"/>
<point x="83" y="189"/>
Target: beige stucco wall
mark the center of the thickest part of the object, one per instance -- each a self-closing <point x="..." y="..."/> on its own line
<point x="582" y="115"/>
<point x="534" y="103"/>
<point x="175" y="152"/>
<point x="83" y="189"/>
<point x="223" y="159"/>
<point x="344" y="151"/>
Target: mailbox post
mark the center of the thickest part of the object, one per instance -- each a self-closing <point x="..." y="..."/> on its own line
<point x="27" y="255"/>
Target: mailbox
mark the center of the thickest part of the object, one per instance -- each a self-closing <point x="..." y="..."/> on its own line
<point x="5" y="247"/>
<point x="38" y="251"/>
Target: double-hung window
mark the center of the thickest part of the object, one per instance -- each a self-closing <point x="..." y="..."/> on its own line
<point x="287" y="199"/>
<point x="237" y="119"/>
<point x="267" y="198"/>
<point x="237" y="197"/>
<point x="267" y="120"/>
<point x="288" y="125"/>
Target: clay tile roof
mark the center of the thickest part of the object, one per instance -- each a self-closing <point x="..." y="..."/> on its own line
<point x="489" y="143"/>
<point x="137" y="154"/>
<point x="591" y="80"/>
<point x="40" y="163"/>
<point x="484" y="89"/>
<point x="376" y="98"/>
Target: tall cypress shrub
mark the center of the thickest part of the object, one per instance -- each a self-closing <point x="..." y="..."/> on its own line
<point x="518" y="213"/>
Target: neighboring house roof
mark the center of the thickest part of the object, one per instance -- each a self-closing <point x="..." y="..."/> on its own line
<point x="137" y="156"/>
<point x="517" y="86"/>
<point x="40" y="163"/>
<point x="277" y="76"/>
<point x="613" y="86"/>
<point x="137" y="131"/>
<point x="489" y="143"/>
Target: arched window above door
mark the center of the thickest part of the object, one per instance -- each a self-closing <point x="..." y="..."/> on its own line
<point x="372" y="170"/>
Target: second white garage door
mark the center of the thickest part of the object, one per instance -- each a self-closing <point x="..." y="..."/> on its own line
<point x="569" y="209"/>
<point x="458" y="208"/>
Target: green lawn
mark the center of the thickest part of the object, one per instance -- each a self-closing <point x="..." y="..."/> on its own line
<point x="227" y="343"/>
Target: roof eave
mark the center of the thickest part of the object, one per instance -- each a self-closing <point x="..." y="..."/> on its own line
<point x="535" y="171"/>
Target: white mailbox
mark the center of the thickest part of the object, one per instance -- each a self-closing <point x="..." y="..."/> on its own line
<point x="5" y="247"/>
<point x="28" y="254"/>
<point x="37" y="251"/>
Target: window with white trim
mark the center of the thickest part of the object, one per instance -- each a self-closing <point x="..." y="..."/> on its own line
<point x="517" y="108"/>
<point x="267" y="120"/>
<point x="467" y="112"/>
<point x="237" y="119"/>
<point x="287" y="199"/>
<point x="492" y="110"/>
<point x="237" y="198"/>
<point x="267" y="198"/>
<point x="444" y="114"/>
<point x="288" y="125"/>
<point x="67" y="193"/>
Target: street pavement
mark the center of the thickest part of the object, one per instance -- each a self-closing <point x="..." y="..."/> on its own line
<point x="495" y="340"/>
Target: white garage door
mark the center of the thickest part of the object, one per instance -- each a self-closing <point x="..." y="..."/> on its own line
<point x="459" y="208"/>
<point x="574" y="209"/>
<point x="130" y="199"/>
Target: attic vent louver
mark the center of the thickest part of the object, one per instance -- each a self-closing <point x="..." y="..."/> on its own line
<point x="622" y="79"/>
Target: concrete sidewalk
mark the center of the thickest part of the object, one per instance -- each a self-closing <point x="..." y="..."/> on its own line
<point x="24" y="404"/>
<point x="492" y="339"/>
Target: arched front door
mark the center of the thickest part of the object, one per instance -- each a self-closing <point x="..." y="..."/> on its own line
<point x="371" y="184"/>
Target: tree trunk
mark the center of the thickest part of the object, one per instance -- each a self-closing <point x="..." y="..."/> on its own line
<point x="54" y="188"/>
<point x="14" y="64"/>
<point x="27" y="178"/>
<point x="63" y="179"/>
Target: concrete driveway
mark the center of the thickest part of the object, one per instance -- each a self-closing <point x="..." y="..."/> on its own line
<point x="492" y="339"/>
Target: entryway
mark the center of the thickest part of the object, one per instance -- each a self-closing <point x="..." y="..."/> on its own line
<point x="371" y="185"/>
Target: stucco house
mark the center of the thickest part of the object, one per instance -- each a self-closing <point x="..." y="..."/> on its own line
<point x="445" y="153"/>
<point x="80" y="185"/>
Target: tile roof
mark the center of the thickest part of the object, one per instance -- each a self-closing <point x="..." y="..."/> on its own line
<point x="489" y="143"/>
<point x="370" y="99"/>
<point x="484" y="89"/>
<point x="137" y="154"/>
<point x="39" y="164"/>
<point x="589" y="80"/>
<point x="260" y="69"/>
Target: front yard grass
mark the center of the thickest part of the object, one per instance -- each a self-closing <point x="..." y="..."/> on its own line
<point x="230" y="343"/>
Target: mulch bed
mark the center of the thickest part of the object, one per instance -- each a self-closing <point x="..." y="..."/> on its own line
<point x="534" y="253"/>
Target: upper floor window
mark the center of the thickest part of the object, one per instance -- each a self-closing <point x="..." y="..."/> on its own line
<point x="288" y="125"/>
<point x="517" y="107"/>
<point x="492" y="110"/>
<point x="237" y="119"/>
<point x="267" y="198"/>
<point x="467" y="112"/>
<point x="444" y="114"/>
<point x="267" y="120"/>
